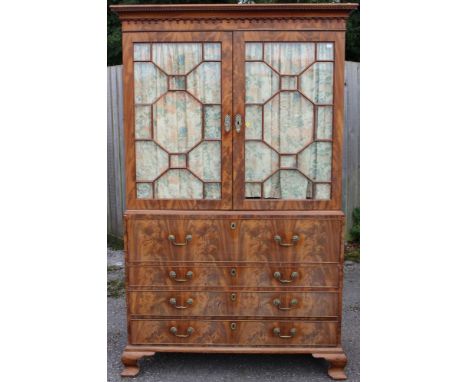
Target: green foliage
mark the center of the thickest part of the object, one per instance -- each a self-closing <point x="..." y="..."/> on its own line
<point x="114" y="34"/>
<point x="115" y="288"/>
<point x="114" y="243"/>
<point x="354" y="232"/>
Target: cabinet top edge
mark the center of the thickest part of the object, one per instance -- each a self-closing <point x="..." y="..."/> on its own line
<point x="125" y="8"/>
<point x="226" y="213"/>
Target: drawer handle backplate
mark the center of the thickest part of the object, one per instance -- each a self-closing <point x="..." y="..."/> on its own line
<point x="277" y="276"/>
<point x="173" y="302"/>
<point x="279" y="240"/>
<point x="292" y="304"/>
<point x="172" y="239"/>
<point x="188" y="276"/>
<point x="173" y="330"/>
<point x="292" y="333"/>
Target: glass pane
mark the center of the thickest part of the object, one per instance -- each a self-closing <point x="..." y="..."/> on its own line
<point x="317" y="82"/>
<point x="324" y="122"/>
<point x="178" y="122"/>
<point x="325" y="51"/>
<point x="288" y="161"/>
<point x="181" y="127"/>
<point x="178" y="160"/>
<point x="322" y="191"/>
<point x="212" y="51"/>
<point x="288" y="122"/>
<point x="177" y="58"/>
<point x="253" y="122"/>
<point x="205" y="161"/>
<point x="286" y="184"/>
<point x="144" y="190"/>
<point x="213" y="122"/>
<point x="290" y="57"/>
<point x="253" y="190"/>
<point x="288" y="83"/>
<point x="261" y="82"/>
<point x="178" y="184"/>
<point x="177" y="82"/>
<point x="142" y="52"/>
<point x="260" y="161"/>
<point x="212" y="191"/>
<point x="253" y="51"/>
<point x="142" y="122"/>
<point x="204" y="82"/>
<point x="149" y="82"/>
<point x="151" y="160"/>
<point x="315" y="161"/>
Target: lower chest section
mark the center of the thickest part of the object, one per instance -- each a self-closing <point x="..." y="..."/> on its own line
<point x="237" y="279"/>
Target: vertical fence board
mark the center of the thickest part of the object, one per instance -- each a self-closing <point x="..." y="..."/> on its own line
<point x="115" y="158"/>
<point x="351" y="167"/>
<point x="115" y="147"/>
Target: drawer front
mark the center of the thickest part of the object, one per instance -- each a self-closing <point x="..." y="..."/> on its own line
<point x="229" y="303"/>
<point x="256" y="240"/>
<point x="213" y="275"/>
<point x="299" y="240"/>
<point x="240" y="333"/>
<point x="179" y="240"/>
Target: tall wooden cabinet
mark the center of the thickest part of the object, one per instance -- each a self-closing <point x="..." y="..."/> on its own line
<point x="233" y="132"/>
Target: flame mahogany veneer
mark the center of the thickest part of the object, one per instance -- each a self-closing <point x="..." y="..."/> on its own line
<point x="229" y="286"/>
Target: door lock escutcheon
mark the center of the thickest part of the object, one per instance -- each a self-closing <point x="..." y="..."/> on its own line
<point x="238" y="123"/>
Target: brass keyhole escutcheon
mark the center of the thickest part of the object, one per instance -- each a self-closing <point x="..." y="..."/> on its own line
<point x="233" y="296"/>
<point x="233" y="326"/>
<point x="233" y="272"/>
<point x="233" y="225"/>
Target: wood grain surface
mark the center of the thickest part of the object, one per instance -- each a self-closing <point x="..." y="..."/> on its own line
<point x="220" y="332"/>
<point x="250" y="240"/>
<point x="229" y="303"/>
<point x="217" y="275"/>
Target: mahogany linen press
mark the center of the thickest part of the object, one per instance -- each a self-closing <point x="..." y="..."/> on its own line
<point x="233" y="118"/>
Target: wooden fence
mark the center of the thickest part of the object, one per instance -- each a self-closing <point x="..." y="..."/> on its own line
<point x="115" y="147"/>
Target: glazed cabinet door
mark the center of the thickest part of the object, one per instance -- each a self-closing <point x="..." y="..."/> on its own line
<point x="288" y="105"/>
<point x="177" y="120"/>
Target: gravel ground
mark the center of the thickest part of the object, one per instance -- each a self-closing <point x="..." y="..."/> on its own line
<point x="180" y="367"/>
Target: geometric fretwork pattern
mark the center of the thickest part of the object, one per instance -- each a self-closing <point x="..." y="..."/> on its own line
<point x="288" y="120"/>
<point x="177" y="95"/>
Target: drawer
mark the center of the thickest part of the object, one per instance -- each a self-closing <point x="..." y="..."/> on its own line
<point x="240" y="333"/>
<point x="253" y="276"/>
<point x="293" y="240"/>
<point x="311" y="240"/>
<point x="179" y="239"/>
<point x="229" y="303"/>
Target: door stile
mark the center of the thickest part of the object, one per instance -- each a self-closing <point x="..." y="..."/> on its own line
<point x="226" y="110"/>
<point x="238" y="109"/>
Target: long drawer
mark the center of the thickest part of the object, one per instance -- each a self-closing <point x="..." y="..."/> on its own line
<point x="241" y="333"/>
<point x="215" y="275"/>
<point x="247" y="304"/>
<point x="235" y="240"/>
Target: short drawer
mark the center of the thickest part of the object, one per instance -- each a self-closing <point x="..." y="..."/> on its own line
<point x="214" y="275"/>
<point x="293" y="240"/>
<point x="229" y="303"/>
<point x="240" y="333"/>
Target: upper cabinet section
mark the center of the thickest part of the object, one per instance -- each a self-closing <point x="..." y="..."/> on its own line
<point x="233" y="106"/>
